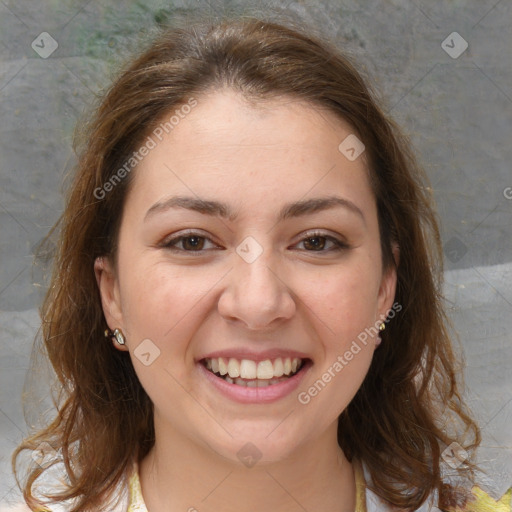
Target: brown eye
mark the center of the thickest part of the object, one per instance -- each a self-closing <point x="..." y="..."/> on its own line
<point x="317" y="242"/>
<point x="194" y="243"/>
<point x="189" y="242"/>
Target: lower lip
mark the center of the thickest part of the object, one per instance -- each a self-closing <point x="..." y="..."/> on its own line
<point x="267" y="394"/>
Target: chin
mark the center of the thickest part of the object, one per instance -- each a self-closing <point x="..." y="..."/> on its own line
<point x="249" y="450"/>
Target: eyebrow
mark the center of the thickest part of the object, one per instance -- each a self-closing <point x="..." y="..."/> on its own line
<point x="223" y="210"/>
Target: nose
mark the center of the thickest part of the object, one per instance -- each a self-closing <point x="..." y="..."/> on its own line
<point x="256" y="295"/>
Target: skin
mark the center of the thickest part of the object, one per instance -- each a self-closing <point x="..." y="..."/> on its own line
<point x="255" y="158"/>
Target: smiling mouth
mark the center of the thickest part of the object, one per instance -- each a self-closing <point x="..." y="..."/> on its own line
<point x="248" y="373"/>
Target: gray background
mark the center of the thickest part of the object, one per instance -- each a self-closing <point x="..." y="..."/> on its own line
<point x="457" y="112"/>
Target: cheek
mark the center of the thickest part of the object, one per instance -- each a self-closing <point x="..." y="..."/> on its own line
<point x="166" y="304"/>
<point x="344" y="309"/>
<point x="345" y="298"/>
<point x="161" y="304"/>
<point x="158" y="296"/>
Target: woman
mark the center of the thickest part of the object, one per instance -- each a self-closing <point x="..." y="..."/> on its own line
<point x="245" y="310"/>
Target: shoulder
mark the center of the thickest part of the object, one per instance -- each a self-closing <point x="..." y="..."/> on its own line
<point x="482" y="501"/>
<point x="22" y="507"/>
<point x="15" y="507"/>
<point x="54" y="479"/>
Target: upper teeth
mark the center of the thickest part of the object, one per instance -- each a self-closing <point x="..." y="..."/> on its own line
<point x="248" y="369"/>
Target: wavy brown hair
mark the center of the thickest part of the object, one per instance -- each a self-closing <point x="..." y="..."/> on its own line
<point x="409" y="406"/>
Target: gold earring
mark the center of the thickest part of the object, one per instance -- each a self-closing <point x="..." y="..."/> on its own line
<point x="382" y="326"/>
<point x="117" y="334"/>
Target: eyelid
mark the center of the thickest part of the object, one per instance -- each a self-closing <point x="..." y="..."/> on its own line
<point x="324" y="233"/>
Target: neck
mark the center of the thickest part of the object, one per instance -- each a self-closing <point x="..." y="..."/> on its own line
<point x="180" y="475"/>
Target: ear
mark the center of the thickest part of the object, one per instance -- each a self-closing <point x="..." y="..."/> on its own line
<point x="388" y="285"/>
<point x="110" y="297"/>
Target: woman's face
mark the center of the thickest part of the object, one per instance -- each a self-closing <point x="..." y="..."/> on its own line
<point x="249" y="240"/>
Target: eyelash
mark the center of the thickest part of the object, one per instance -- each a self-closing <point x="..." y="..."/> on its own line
<point x="171" y="243"/>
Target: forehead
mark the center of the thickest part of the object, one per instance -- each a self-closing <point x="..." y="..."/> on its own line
<point x="225" y="119"/>
<point x="235" y="147"/>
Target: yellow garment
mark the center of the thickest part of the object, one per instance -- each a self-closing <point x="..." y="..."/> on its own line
<point x="484" y="503"/>
<point x="360" y="487"/>
<point x="136" y="503"/>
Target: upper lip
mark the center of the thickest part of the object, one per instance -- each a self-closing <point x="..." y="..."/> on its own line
<point x="240" y="353"/>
